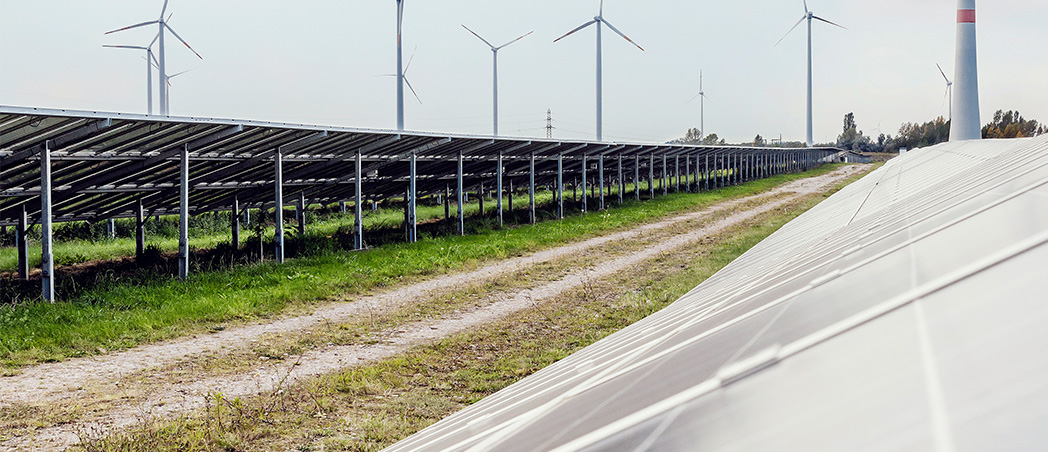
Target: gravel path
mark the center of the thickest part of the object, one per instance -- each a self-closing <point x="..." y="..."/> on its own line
<point x="58" y="382"/>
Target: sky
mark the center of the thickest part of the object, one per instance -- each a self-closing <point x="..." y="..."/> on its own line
<point x="323" y="62"/>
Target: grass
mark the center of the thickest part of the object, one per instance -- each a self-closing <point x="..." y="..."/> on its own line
<point x="124" y="314"/>
<point x="369" y="407"/>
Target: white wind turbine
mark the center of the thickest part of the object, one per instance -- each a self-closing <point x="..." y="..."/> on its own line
<point x="808" y="15"/>
<point x="702" y="108"/>
<point x="400" y="66"/>
<point x="403" y="75"/>
<point x="495" y="71"/>
<point x="162" y="24"/>
<point x="599" y="20"/>
<point x="949" y="89"/>
<point x="150" y="62"/>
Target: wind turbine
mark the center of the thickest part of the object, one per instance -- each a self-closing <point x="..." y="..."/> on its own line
<point x="162" y="24"/>
<point x="168" y="81"/>
<point x="400" y="66"/>
<point x="150" y="62"/>
<point x="702" y="108"/>
<point x="495" y="71"/>
<point x="404" y="76"/>
<point x="949" y="89"/>
<point x="599" y="20"/>
<point x="808" y="15"/>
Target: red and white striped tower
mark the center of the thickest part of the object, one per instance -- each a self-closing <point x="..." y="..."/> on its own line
<point x="966" y="123"/>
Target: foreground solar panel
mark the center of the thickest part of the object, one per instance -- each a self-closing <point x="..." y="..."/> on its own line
<point x="906" y="312"/>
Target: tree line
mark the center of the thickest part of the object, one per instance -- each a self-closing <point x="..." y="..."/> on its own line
<point x="914" y="135"/>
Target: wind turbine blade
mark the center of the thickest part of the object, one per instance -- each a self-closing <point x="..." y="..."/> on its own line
<point x="791" y="30"/>
<point x="704" y="96"/>
<point x="413" y="91"/>
<point x="164" y="10"/>
<point x="154" y="40"/>
<point x="601" y="9"/>
<point x="412" y="58"/>
<point x="180" y="73"/>
<point x="126" y="47"/>
<point x="169" y="17"/>
<point x="616" y="30"/>
<point x="478" y="36"/>
<point x="805" y="7"/>
<point x="831" y="23"/>
<point x="693" y="98"/>
<point x="515" y="40"/>
<point x="577" y="29"/>
<point x="943" y="73"/>
<point x="133" y="26"/>
<point x="945" y="97"/>
<point x="172" y="30"/>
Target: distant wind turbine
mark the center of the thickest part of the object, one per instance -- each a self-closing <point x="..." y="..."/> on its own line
<point x="702" y="109"/>
<point x="403" y="75"/>
<point x="808" y="15"/>
<point x="599" y="20"/>
<point x="495" y="71"/>
<point x="162" y="24"/>
<point x="949" y="89"/>
<point x="168" y="79"/>
<point x="150" y="62"/>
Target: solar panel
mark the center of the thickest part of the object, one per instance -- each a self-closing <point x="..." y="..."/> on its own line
<point x="905" y="312"/>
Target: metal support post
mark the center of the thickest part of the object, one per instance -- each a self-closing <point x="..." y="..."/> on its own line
<point x="480" y="198"/>
<point x="665" y="178"/>
<point x="183" y="216"/>
<point x="676" y="172"/>
<point x="651" y="177"/>
<point x="499" y="169"/>
<point x="531" y="189"/>
<point x="140" y="228"/>
<point x="278" y="235"/>
<point x="560" y="186"/>
<point x="636" y="177"/>
<point x="706" y="178"/>
<point x="111" y="229"/>
<point x="687" y="173"/>
<point x="358" y="207"/>
<point x="459" y="195"/>
<point x="584" y="164"/>
<point x="413" y="199"/>
<point x="47" y="257"/>
<point x="600" y="182"/>
<point x="22" y="243"/>
<point x="234" y="217"/>
<point x="301" y="214"/>
<point x="622" y="182"/>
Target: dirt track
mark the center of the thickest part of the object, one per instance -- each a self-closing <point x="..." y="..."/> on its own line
<point x="79" y="380"/>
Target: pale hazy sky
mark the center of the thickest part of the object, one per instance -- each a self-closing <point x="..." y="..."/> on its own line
<point x="321" y="61"/>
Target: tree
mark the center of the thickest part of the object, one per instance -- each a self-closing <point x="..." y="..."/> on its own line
<point x="913" y="135"/>
<point x="1012" y="125"/>
<point x="852" y="138"/>
<point x="759" y="140"/>
<point x="694" y="136"/>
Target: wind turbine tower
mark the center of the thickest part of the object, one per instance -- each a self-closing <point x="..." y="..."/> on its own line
<point x="400" y="66"/>
<point x="702" y="108"/>
<point x="495" y="70"/>
<point x="808" y="15"/>
<point x="966" y="124"/>
<point x="599" y="20"/>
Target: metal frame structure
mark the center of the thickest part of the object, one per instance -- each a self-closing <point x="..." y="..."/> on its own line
<point x="111" y="165"/>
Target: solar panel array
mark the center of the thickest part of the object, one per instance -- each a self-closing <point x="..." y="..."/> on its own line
<point x="905" y="312"/>
<point x="103" y="162"/>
